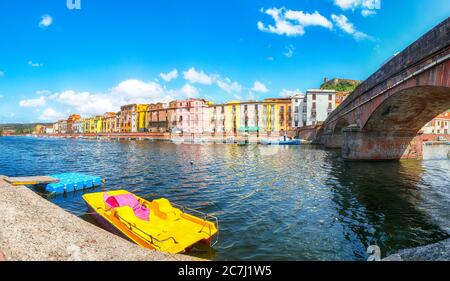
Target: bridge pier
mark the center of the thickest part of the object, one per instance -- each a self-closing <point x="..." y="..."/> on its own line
<point x="332" y="140"/>
<point x="375" y="146"/>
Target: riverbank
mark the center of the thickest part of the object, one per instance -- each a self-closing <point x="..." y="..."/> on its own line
<point x="34" y="229"/>
<point x="434" y="252"/>
<point x="241" y="138"/>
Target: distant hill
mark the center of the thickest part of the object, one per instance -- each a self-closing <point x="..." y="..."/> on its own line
<point x="340" y="85"/>
<point x="21" y="128"/>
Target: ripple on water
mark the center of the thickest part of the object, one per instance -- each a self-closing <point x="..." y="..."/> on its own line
<point x="273" y="203"/>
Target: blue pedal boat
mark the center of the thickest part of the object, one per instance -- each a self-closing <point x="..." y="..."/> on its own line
<point x="70" y="182"/>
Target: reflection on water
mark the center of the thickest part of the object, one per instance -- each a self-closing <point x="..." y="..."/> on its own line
<point x="273" y="203"/>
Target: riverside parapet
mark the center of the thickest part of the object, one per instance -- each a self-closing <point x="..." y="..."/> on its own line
<point x="439" y="251"/>
<point x="34" y="229"/>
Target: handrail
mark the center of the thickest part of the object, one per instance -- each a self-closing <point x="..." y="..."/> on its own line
<point x="149" y="235"/>
<point x="205" y="218"/>
<point x="130" y="225"/>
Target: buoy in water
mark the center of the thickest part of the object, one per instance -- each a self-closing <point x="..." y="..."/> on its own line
<point x="192" y="162"/>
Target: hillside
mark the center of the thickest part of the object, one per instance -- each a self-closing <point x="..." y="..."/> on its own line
<point x="340" y="85"/>
<point x="20" y="128"/>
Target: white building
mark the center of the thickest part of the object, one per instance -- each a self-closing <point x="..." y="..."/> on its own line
<point x="317" y="105"/>
<point x="78" y="127"/>
<point x="439" y="125"/>
<point x="297" y="109"/>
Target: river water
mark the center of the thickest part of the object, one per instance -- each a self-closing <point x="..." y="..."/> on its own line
<point x="273" y="203"/>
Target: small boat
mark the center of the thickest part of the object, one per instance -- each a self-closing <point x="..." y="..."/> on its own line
<point x="157" y="224"/>
<point x="281" y="142"/>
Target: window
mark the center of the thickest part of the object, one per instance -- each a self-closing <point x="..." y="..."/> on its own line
<point x="314" y="96"/>
<point x="330" y="97"/>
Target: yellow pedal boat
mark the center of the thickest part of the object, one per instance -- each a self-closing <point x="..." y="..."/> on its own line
<point x="157" y="225"/>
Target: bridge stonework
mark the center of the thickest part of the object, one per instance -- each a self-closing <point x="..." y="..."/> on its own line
<point x="381" y="119"/>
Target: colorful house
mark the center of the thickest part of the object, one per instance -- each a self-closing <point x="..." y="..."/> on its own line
<point x="439" y="125"/>
<point x="133" y="118"/>
<point x="39" y="129"/>
<point x="79" y="126"/>
<point x="71" y="121"/>
<point x="109" y="123"/>
<point x="158" y="117"/>
<point x="191" y="116"/>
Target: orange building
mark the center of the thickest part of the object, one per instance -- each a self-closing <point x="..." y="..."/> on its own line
<point x="71" y="121"/>
<point x="340" y="97"/>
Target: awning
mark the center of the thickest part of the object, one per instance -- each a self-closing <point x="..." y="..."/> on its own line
<point x="248" y="129"/>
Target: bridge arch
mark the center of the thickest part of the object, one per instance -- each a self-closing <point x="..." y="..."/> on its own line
<point x="391" y="131"/>
<point x="384" y="114"/>
<point x="409" y="109"/>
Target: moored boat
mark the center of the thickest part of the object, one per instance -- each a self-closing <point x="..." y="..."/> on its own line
<point x="156" y="224"/>
<point x="281" y="142"/>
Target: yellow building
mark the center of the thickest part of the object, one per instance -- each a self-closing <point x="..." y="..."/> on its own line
<point x="39" y="129"/>
<point x="141" y="117"/>
<point x="279" y="114"/>
<point x="110" y="123"/>
<point x="98" y="124"/>
<point x="133" y="118"/>
<point x="271" y="116"/>
<point x="232" y="116"/>
<point x="89" y="127"/>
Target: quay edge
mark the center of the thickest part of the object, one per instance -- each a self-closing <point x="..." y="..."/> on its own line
<point x="34" y="229"/>
<point x="439" y="251"/>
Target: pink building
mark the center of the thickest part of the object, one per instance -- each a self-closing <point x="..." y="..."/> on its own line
<point x="190" y="116"/>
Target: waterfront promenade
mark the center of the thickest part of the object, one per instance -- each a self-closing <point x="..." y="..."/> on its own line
<point x="34" y="229"/>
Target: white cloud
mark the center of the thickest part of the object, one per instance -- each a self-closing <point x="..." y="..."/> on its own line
<point x="189" y="91"/>
<point x="32" y="64"/>
<point x="366" y="13"/>
<point x="229" y="86"/>
<point x="169" y="76"/>
<point x="354" y="4"/>
<point x="127" y="92"/>
<point x="86" y="103"/>
<point x="348" y="27"/>
<point x="305" y="19"/>
<point x="368" y="7"/>
<point x="289" y="51"/>
<point x="289" y="93"/>
<point x="46" y="21"/>
<point x="259" y="87"/>
<point x="270" y="59"/>
<point x="51" y="115"/>
<point x="194" y="76"/>
<point x="41" y="101"/>
<point x="2" y="96"/>
<point x="2" y="73"/>
<point x="292" y="23"/>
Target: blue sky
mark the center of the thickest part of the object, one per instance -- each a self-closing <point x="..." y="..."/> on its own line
<point x="55" y="61"/>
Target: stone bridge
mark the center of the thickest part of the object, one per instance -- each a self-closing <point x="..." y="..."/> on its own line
<point x="381" y="119"/>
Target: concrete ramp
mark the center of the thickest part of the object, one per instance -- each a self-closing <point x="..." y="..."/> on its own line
<point x="34" y="229"/>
